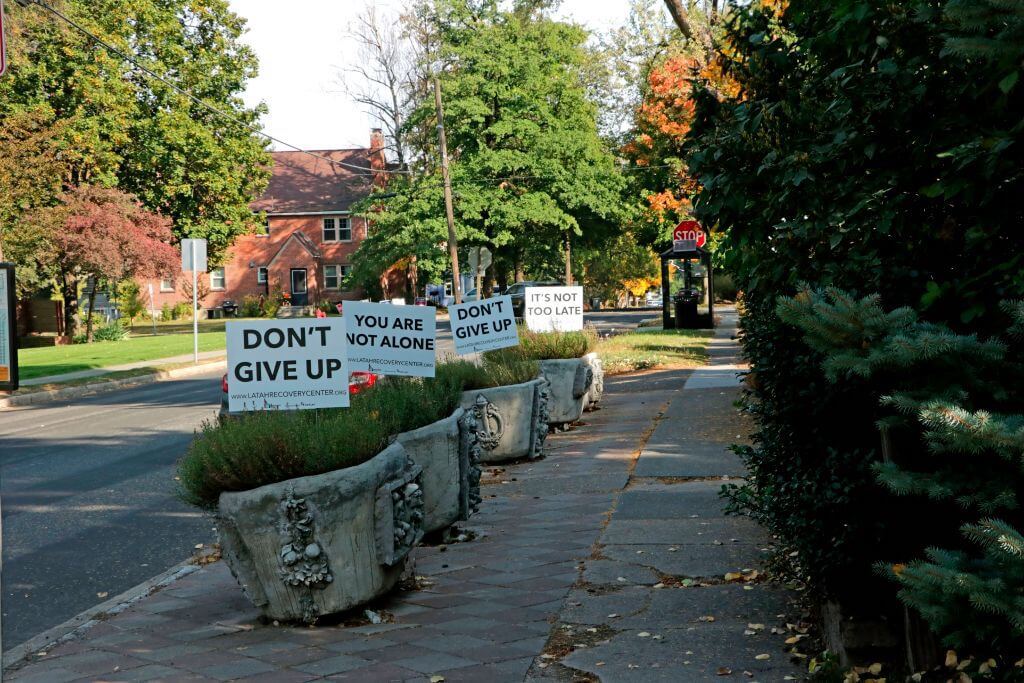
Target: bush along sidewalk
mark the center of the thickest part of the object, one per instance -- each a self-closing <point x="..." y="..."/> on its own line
<point x="951" y="421"/>
<point x="317" y="511"/>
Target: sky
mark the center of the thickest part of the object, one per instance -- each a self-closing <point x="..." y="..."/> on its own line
<point x="302" y="48"/>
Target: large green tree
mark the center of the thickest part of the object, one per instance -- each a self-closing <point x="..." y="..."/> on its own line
<point x="528" y="165"/>
<point x="112" y="125"/>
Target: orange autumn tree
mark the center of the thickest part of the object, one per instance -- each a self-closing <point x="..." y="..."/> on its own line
<point x="662" y="124"/>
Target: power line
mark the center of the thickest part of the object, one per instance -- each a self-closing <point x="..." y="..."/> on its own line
<point x="219" y="112"/>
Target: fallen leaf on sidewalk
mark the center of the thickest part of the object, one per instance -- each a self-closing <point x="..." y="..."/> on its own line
<point x="763" y="657"/>
<point x="724" y="671"/>
<point x="707" y="618"/>
<point x="437" y="679"/>
<point x="101" y="595"/>
<point x="643" y="634"/>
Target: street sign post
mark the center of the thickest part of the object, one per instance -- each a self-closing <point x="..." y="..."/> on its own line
<point x="193" y="258"/>
<point x="688" y="236"/>
<point x="479" y="260"/>
<point x="8" y="330"/>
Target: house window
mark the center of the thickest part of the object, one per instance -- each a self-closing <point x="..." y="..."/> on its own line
<point x="261" y="275"/>
<point x="266" y="229"/>
<point x="333" y="276"/>
<point x="167" y="284"/>
<point x="337" y="230"/>
<point x="217" y="278"/>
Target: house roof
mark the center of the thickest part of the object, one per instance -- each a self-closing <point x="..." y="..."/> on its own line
<point x="302" y="183"/>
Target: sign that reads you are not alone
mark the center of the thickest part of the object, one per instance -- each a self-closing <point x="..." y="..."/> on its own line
<point x="287" y="364"/>
<point x="483" y="325"/>
<point x="551" y="309"/>
<point x="391" y="340"/>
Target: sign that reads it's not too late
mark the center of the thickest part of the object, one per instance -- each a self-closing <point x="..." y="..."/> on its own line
<point x="287" y="364"/>
<point x="391" y="340"/>
<point x="483" y="325"/>
<point x="551" y="309"/>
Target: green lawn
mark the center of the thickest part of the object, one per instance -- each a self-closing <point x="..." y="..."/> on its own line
<point x="55" y="360"/>
<point x="648" y="348"/>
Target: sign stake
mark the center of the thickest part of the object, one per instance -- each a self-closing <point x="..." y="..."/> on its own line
<point x="195" y="304"/>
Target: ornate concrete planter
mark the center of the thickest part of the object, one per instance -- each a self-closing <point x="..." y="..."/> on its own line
<point x="451" y="473"/>
<point x="323" y="544"/>
<point x="570" y="380"/>
<point x="596" y="391"/>
<point x="512" y="421"/>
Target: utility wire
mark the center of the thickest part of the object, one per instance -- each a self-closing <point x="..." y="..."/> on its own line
<point x="219" y="112"/>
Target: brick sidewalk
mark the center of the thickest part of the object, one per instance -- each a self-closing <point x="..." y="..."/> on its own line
<point x="549" y="573"/>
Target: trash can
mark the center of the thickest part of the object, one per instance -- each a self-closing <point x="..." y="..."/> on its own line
<point x="595" y="303"/>
<point x="686" y="309"/>
<point x="229" y="307"/>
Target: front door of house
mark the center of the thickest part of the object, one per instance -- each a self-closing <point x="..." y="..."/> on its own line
<point x="299" y="295"/>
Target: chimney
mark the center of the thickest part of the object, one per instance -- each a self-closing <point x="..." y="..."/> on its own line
<point x="378" y="161"/>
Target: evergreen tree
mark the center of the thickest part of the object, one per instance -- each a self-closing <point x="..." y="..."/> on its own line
<point x="961" y="396"/>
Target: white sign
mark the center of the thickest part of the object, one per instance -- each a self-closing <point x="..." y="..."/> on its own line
<point x="391" y="340"/>
<point x="484" y="325"/>
<point x="550" y="309"/>
<point x="479" y="259"/>
<point x="287" y="364"/>
<point x="187" y="246"/>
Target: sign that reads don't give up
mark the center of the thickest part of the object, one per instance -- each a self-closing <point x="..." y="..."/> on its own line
<point x="484" y="325"/>
<point x="391" y="340"/>
<point x="287" y="364"/>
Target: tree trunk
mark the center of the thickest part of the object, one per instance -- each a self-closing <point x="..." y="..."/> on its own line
<point x="568" y="259"/>
<point x="520" y="274"/>
<point x="681" y="16"/>
<point x="414" y="277"/>
<point x="69" y="290"/>
<point x="88" y="318"/>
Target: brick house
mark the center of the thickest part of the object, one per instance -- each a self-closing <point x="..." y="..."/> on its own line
<point x="310" y="235"/>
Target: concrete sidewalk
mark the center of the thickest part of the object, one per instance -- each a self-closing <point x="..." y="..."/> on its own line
<point x="603" y="561"/>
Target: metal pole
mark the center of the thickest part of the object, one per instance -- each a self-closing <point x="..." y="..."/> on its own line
<point x="152" y="308"/>
<point x="195" y="303"/>
<point x="453" y="243"/>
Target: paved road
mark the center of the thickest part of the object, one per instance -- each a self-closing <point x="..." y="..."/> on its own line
<point x="88" y="493"/>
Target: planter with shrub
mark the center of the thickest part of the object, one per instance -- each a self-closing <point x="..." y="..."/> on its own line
<point x="326" y="543"/>
<point x="317" y="510"/>
<point x="506" y="406"/>
<point x="566" y="361"/>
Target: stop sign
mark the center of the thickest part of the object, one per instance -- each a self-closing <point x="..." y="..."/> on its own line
<point x="690" y="231"/>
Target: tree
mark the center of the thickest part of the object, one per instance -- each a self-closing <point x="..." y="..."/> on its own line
<point x="129" y="299"/>
<point x="104" y="234"/>
<point x="114" y="125"/>
<point x="528" y="165"/>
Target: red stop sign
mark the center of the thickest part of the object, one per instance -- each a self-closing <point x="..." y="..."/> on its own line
<point x="690" y="230"/>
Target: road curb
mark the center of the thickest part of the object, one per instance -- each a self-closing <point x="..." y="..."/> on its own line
<point x="101" y="387"/>
<point x="80" y="623"/>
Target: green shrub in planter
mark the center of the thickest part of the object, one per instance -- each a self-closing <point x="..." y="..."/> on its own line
<point x="495" y="372"/>
<point x="266" y="447"/>
<point x="535" y="346"/>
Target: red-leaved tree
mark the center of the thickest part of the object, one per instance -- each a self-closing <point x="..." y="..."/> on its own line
<point x="105" y="234"/>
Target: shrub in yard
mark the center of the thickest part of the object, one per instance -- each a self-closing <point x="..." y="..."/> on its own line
<point x="265" y="447"/>
<point x="250" y="307"/>
<point x="112" y="331"/>
<point x="534" y="346"/>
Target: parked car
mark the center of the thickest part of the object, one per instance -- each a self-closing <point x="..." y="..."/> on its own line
<point x="518" y="293"/>
<point x="653" y="299"/>
<point x="357" y="381"/>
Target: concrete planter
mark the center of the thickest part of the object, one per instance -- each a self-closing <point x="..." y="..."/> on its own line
<point x="511" y="421"/>
<point x="596" y="391"/>
<point x="326" y="543"/>
<point x="571" y="381"/>
<point x="444" y="455"/>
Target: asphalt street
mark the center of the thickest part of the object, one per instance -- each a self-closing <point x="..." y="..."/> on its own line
<point x="88" y="492"/>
